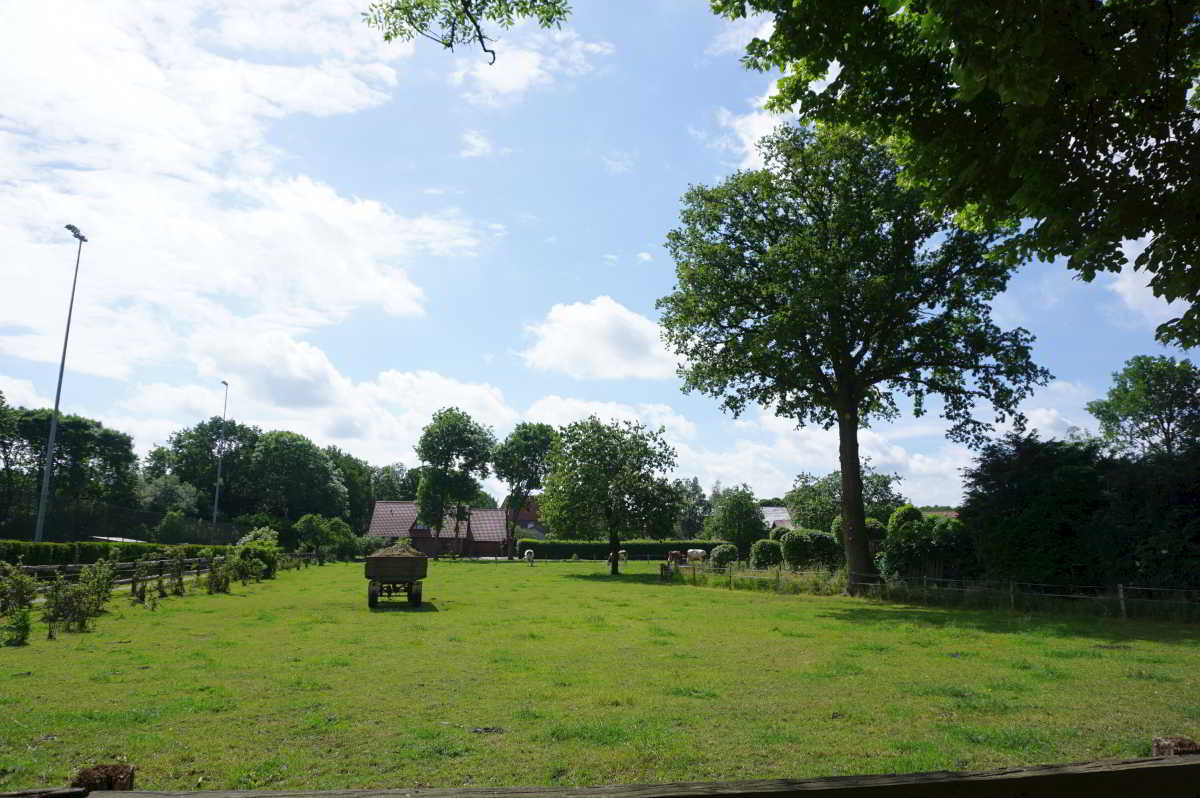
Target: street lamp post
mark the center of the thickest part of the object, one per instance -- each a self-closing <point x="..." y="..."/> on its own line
<point x="220" y="452"/>
<point x="48" y="467"/>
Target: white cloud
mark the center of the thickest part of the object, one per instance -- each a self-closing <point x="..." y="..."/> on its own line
<point x="743" y="131"/>
<point x="526" y="61"/>
<point x="1141" y="307"/>
<point x="560" y="411"/>
<point x="610" y="258"/>
<point x="740" y="32"/>
<point x="147" y="129"/>
<point x="617" y="163"/>
<point x="477" y="145"/>
<point x="601" y="339"/>
<point x="645" y="257"/>
<point x="22" y="393"/>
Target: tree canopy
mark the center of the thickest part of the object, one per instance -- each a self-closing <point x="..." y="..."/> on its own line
<point x="609" y="478"/>
<point x="456" y="451"/>
<point x="736" y="517"/>
<point x="1075" y="115"/>
<point x="813" y="503"/>
<point x="456" y="22"/>
<point x="1152" y="406"/>
<point x="821" y="288"/>
<point x="521" y="462"/>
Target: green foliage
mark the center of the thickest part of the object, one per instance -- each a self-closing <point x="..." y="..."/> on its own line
<point x="17" y="589"/>
<point x="172" y="526"/>
<point x="765" y="554"/>
<point x="15" y="631"/>
<point x="451" y="23"/>
<point x="84" y="552"/>
<point x="1153" y="406"/>
<point x="97" y="581"/>
<point x="694" y="507"/>
<point x="456" y="451"/>
<point x="66" y="607"/>
<point x="823" y="289"/>
<point x="905" y="514"/>
<point x="395" y="483"/>
<point x="295" y="477"/>
<point x="522" y="461"/>
<point x="736" y="517"/>
<point x="1037" y="82"/>
<point x="168" y="493"/>
<point x="723" y="555"/>
<point x="607" y="480"/>
<point x="804" y="549"/>
<point x="777" y="532"/>
<point x="814" y="503"/>
<point x="598" y="550"/>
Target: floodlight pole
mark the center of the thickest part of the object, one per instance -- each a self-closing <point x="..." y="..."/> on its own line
<point x="48" y="466"/>
<point x="220" y="452"/>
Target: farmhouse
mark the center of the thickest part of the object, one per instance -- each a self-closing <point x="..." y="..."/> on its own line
<point x="777" y="516"/>
<point x="481" y="534"/>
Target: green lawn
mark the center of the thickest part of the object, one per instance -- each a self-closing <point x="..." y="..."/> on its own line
<point x="580" y="679"/>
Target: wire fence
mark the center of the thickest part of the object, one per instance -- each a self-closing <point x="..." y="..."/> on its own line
<point x="1113" y="601"/>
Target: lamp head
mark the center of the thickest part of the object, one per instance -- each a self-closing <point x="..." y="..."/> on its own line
<point x="225" y="383"/>
<point x="75" y="232"/>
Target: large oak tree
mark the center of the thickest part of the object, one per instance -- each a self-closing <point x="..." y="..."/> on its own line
<point x="820" y="288"/>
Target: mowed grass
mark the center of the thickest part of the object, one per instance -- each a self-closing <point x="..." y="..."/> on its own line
<point x="559" y="674"/>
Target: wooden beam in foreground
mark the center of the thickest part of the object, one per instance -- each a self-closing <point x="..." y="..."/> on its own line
<point x="1158" y="777"/>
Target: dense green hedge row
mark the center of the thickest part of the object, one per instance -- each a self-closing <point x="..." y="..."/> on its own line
<point x="89" y="552"/>
<point x="598" y="549"/>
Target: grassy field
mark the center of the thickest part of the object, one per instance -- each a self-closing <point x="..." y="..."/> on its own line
<point x="558" y="674"/>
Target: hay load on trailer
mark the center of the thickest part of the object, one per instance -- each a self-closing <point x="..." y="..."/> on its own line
<point x="395" y="570"/>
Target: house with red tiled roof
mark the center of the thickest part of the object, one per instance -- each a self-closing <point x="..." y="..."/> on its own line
<point x="481" y="534"/>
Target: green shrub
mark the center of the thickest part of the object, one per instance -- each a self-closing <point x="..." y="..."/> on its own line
<point x="85" y="552"/>
<point x="777" y="532"/>
<point x="15" y="631"/>
<point x="96" y="581"/>
<point x="17" y="588"/>
<point x="66" y="607"/>
<point x="267" y="559"/>
<point x="723" y="555"/>
<point x="765" y="554"/>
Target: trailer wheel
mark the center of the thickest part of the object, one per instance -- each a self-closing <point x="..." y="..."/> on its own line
<point x="373" y="594"/>
<point x="414" y="595"/>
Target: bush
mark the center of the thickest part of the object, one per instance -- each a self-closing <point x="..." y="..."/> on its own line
<point x="84" y="552"/>
<point x="723" y="555"/>
<point x="260" y="536"/>
<point x="265" y="557"/>
<point x="876" y="530"/>
<point x="17" y="588"/>
<point x="765" y="554"/>
<point x="96" y="581"/>
<point x="15" y="631"/>
<point x="777" y="532"/>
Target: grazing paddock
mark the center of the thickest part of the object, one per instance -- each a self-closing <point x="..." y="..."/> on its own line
<point x="560" y="674"/>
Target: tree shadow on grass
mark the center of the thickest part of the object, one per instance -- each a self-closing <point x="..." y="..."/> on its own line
<point x="641" y="579"/>
<point x="404" y="606"/>
<point x="1109" y="630"/>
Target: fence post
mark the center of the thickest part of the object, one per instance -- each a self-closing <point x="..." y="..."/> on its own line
<point x="729" y="570"/>
<point x="1121" y="597"/>
<point x="1012" y="595"/>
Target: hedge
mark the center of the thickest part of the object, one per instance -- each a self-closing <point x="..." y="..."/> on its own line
<point x="598" y="549"/>
<point x="90" y="551"/>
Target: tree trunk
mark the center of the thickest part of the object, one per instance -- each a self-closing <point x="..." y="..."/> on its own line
<point x="614" y="545"/>
<point x="860" y="570"/>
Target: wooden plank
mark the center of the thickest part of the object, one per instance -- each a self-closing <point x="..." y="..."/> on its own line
<point x="48" y="792"/>
<point x="1161" y="777"/>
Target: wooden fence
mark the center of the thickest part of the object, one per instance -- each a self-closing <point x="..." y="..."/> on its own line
<point x="1159" y="777"/>
<point x="125" y="570"/>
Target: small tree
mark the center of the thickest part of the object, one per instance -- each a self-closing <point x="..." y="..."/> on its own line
<point x="313" y="534"/>
<point x="1152" y="406"/>
<point x="521" y="462"/>
<point x="737" y="518"/>
<point x="607" y="478"/>
<point x="456" y="451"/>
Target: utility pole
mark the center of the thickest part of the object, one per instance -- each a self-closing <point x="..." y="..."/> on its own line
<point x="220" y="452"/>
<point x="48" y="466"/>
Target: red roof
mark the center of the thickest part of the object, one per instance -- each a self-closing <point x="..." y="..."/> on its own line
<point x="530" y="511"/>
<point x="399" y="520"/>
<point x="488" y="525"/>
<point x="392" y="519"/>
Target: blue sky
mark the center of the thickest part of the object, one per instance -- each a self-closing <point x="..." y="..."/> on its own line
<point x="355" y="234"/>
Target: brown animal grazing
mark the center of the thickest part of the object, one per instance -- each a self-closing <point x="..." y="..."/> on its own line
<point x="105" y="777"/>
